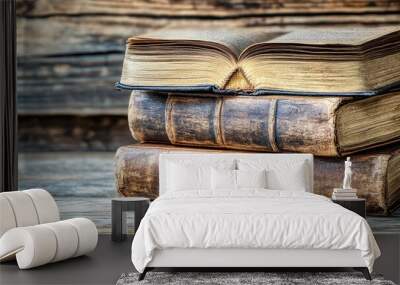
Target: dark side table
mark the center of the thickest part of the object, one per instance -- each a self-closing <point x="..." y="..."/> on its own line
<point x="119" y="207"/>
<point x="357" y="205"/>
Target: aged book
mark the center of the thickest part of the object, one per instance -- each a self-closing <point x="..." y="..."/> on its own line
<point x="375" y="175"/>
<point x="314" y="61"/>
<point x="344" y="194"/>
<point x="324" y="126"/>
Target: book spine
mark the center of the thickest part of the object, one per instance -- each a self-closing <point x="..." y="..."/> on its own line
<point x="345" y="194"/>
<point x="344" y="198"/>
<point x="136" y="168"/>
<point x="345" y="191"/>
<point x="262" y="123"/>
<point x="137" y="174"/>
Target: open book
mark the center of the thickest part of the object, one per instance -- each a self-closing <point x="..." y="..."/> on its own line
<point x="340" y="61"/>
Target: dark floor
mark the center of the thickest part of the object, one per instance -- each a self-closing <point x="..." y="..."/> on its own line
<point x="110" y="260"/>
<point x="103" y="266"/>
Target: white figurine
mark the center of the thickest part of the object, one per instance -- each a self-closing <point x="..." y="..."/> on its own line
<point x="347" y="174"/>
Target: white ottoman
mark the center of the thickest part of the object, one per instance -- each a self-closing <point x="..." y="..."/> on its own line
<point x="31" y="232"/>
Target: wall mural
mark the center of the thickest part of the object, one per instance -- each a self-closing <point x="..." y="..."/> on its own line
<point x="72" y="120"/>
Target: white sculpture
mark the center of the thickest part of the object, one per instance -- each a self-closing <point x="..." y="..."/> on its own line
<point x="347" y="174"/>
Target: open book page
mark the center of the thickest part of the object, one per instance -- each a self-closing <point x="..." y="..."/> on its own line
<point x="235" y="39"/>
<point x="333" y="36"/>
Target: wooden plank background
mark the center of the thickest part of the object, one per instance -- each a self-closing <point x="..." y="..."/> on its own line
<point x="70" y="51"/>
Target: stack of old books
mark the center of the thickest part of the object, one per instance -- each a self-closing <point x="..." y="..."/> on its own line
<point x="344" y="194"/>
<point x="326" y="92"/>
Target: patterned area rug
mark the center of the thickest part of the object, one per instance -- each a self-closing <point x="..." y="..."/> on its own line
<point x="268" y="278"/>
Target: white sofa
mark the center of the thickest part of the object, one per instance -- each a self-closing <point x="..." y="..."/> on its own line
<point x="31" y="231"/>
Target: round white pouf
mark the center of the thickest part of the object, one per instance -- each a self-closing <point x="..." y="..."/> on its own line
<point x="40" y="244"/>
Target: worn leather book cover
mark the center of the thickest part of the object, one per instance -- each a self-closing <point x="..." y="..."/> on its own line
<point x="314" y="61"/>
<point x="376" y="175"/>
<point x="323" y="126"/>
